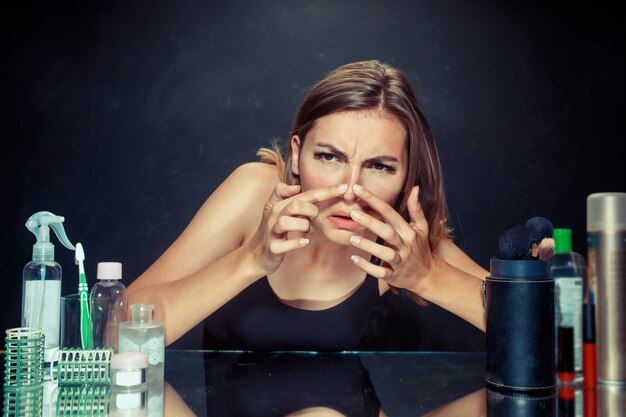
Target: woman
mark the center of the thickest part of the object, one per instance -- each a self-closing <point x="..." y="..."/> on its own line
<point x="293" y="254"/>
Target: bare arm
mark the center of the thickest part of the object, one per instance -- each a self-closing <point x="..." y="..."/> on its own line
<point x="456" y="284"/>
<point x="206" y="266"/>
<point x="454" y="290"/>
<point x="239" y="235"/>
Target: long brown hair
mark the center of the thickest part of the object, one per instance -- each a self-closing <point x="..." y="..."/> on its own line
<point x="374" y="85"/>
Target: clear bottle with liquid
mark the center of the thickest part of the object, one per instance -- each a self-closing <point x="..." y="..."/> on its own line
<point x="142" y="334"/>
<point x="41" y="290"/>
<point x="568" y="268"/>
<point x="108" y="305"/>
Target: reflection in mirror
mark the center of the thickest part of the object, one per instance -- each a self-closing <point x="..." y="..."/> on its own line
<point x="472" y="405"/>
<point x="611" y="400"/>
<point x="520" y="404"/>
<point x="251" y="384"/>
<point x="102" y="400"/>
<point x="74" y="400"/>
<point x="173" y="404"/>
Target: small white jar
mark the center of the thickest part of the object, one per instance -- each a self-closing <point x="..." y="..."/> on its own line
<point x="129" y="369"/>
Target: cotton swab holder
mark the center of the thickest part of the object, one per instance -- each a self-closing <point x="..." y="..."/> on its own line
<point x="23" y="366"/>
<point x="81" y="366"/>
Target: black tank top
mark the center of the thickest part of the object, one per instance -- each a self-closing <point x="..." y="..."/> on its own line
<point x="257" y="320"/>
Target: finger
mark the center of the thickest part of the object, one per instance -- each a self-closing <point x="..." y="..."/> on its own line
<point x="291" y="224"/>
<point x="389" y="214"/>
<point x="376" y="271"/>
<point x="281" y="192"/>
<point x="278" y="247"/>
<point x="384" y="253"/>
<point x="416" y="214"/>
<point x="320" y="194"/>
<point x="379" y="228"/>
<point x="297" y="207"/>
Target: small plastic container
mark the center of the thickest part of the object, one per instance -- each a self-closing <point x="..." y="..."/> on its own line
<point x="129" y="402"/>
<point x="129" y="369"/>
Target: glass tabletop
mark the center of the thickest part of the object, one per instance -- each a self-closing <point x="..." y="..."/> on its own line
<point x="394" y="384"/>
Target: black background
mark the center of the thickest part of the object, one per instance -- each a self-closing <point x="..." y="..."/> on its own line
<point x="124" y="116"/>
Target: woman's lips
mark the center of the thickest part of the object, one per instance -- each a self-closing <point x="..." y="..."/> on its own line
<point x="343" y="222"/>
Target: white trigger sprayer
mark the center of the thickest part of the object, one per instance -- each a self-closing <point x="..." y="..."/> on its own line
<point x="41" y="291"/>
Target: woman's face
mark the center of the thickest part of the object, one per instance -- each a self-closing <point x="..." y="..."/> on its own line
<point x="366" y="147"/>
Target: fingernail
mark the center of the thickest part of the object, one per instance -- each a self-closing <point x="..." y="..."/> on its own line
<point x="357" y="188"/>
<point x="355" y="240"/>
<point x="356" y="215"/>
<point x="355" y="259"/>
<point x="304" y="242"/>
<point x="343" y="188"/>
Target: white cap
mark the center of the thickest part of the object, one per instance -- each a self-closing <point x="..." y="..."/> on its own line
<point x="109" y="270"/>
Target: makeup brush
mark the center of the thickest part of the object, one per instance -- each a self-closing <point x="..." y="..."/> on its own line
<point x="539" y="227"/>
<point x="542" y="244"/>
<point x="514" y="243"/>
<point x="544" y="250"/>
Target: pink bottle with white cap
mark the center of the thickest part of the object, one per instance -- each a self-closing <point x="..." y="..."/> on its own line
<point x="108" y="305"/>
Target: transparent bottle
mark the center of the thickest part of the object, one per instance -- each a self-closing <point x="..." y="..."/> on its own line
<point x="568" y="269"/>
<point x="108" y="305"/>
<point x="41" y="290"/>
<point x="142" y="334"/>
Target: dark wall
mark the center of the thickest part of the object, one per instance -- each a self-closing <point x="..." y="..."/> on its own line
<point x="124" y="116"/>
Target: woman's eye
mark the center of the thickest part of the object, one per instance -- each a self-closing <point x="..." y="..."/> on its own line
<point x="325" y="156"/>
<point x="382" y="167"/>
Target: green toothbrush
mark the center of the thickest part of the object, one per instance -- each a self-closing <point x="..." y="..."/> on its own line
<point x="85" y="317"/>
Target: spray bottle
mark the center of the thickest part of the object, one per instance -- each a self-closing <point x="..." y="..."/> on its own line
<point x="41" y="291"/>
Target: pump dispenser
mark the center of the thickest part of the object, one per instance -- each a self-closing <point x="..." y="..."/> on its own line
<point x="41" y="291"/>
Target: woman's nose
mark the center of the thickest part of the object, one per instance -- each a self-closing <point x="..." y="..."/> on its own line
<point x="353" y="177"/>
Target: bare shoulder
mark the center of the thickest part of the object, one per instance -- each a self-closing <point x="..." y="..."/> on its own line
<point x="257" y="174"/>
<point x="240" y="199"/>
<point x="244" y="193"/>
<point x="251" y="182"/>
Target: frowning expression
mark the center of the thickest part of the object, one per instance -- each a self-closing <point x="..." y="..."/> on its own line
<point x="366" y="147"/>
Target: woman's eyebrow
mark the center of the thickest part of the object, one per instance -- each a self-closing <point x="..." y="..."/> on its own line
<point x="331" y="148"/>
<point x="335" y="150"/>
<point x="383" y="158"/>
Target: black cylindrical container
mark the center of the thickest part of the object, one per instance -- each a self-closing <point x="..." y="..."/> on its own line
<point x="520" y="404"/>
<point x="519" y="308"/>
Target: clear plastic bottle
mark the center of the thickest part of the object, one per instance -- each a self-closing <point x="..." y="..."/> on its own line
<point x="568" y="269"/>
<point x="108" y="305"/>
<point x="41" y="291"/>
<point x="142" y="334"/>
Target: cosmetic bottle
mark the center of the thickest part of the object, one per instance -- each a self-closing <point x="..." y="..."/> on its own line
<point x="108" y="305"/>
<point x="41" y="291"/>
<point x="142" y="334"/>
<point x="606" y="255"/>
<point x="568" y="270"/>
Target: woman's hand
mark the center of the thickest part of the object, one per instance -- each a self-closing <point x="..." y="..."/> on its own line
<point x="287" y="210"/>
<point x="406" y="256"/>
